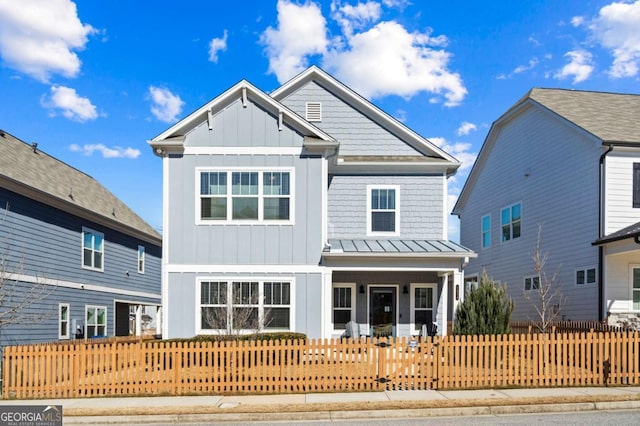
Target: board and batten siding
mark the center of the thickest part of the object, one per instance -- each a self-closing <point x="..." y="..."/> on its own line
<point x="619" y="210"/>
<point x="357" y="133"/>
<point x="553" y="171"/>
<point x="421" y="205"/>
<point x="183" y="309"/>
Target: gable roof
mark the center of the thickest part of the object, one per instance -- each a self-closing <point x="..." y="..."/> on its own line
<point x="631" y="231"/>
<point x="242" y="90"/>
<point x="612" y="118"/>
<point x="361" y="104"/>
<point x="26" y="170"/>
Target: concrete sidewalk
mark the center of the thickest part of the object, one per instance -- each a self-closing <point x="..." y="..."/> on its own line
<point x="333" y="406"/>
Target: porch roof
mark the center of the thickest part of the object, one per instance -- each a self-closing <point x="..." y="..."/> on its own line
<point x="402" y="248"/>
<point x="631" y="231"/>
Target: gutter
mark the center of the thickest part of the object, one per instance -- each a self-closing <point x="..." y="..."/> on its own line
<point x="600" y="235"/>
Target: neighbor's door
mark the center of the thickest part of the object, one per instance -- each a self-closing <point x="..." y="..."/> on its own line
<point x="382" y="311"/>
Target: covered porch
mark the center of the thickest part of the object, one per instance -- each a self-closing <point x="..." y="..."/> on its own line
<point x="392" y="287"/>
<point x="621" y="276"/>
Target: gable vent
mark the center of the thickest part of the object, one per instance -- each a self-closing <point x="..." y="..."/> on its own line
<point x="314" y="111"/>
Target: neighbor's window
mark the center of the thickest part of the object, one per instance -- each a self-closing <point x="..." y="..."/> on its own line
<point x="635" y="289"/>
<point x="423" y="305"/>
<point x="343" y="305"/>
<point x="383" y="209"/>
<point x="486" y="231"/>
<point x="63" y="320"/>
<point x="636" y="185"/>
<point x="96" y="321"/>
<point x="531" y="283"/>
<point x="470" y="282"/>
<point x="92" y="249"/>
<point x="141" y="259"/>
<point x="586" y="276"/>
<point x="241" y="306"/>
<point x="510" y="220"/>
<point x="252" y="196"/>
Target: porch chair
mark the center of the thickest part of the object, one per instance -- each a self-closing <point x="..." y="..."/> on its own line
<point x="352" y="330"/>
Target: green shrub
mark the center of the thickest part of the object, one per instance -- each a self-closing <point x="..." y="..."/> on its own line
<point x="285" y="335"/>
<point x="485" y="310"/>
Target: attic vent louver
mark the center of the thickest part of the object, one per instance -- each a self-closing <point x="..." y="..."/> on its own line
<point x="314" y="111"/>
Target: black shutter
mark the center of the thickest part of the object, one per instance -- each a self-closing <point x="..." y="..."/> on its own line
<point x="636" y="185"/>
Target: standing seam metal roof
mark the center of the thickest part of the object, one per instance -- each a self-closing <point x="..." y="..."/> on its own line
<point x="405" y="246"/>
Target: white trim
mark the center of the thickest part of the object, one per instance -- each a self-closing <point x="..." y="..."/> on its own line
<point x="368" y="288"/>
<point x="291" y="269"/>
<point x="352" y="286"/>
<point x="243" y="150"/>
<point x="164" y="325"/>
<point x="261" y="197"/>
<point x="412" y="303"/>
<point x="142" y="258"/>
<point x="106" y="320"/>
<point x="324" y="195"/>
<point x="60" y="335"/>
<point x="93" y="232"/>
<point x="396" y="210"/>
<point x="79" y="286"/>
<point x="445" y="210"/>
<point x="261" y="280"/>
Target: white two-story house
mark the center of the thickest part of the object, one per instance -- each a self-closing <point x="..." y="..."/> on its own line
<point x="568" y="161"/>
<point x="307" y="208"/>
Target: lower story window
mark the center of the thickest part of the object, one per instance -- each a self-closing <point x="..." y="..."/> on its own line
<point x="96" y="321"/>
<point x="423" y="305"/>
<point x="586" y="276"/>
<point x="343" y="305"/>
<point x="636" y="289"/>
<point x="64" y="321"/>
<point x="244" y="306"/>
<point x="531" y="283"/>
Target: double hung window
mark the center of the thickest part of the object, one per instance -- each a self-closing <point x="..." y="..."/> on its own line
<point x="96" y="321"/>
<point x="92" y="249"/>
<point x="141" y="259"/>
<point x="63" y="319"/>
<point x="423" y="305"/>
<point x="510" y="220"/>
<point x="486" y="231"/>
<point x="343" y="305"/>
<point x="245" y="196"/>
<point x="383" y="214"/>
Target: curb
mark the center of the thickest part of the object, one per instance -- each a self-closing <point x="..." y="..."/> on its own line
<point x="353" y="415"/>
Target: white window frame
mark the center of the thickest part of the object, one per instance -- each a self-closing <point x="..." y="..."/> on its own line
<point x="412" y="306"/>
<point x="511" y="237"/>
<point x="631" y="289"/>
<point x="86" y="230"/>
<point x="585" y="271"/>
<point x="483" y="231"/>
<point x="261" y="196"/>
<point x="96" y="325"/>
<point x="66" y="334"/>
<point x="141" y="259"/>
<point x="229" y="305"/>
<point x="532" y="279"/>
<point x="352" y="286"/>
<point x="396" y="210"/>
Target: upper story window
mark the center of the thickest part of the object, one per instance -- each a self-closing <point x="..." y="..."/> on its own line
<point x="383" y="210"/>
<point x="92" y="249"/>
<point x="636" y="185"/>
<point x="313" y="111"/>
<point x="586" y="276"/>
<point x="141" y="259"/>
<point x="510" y="221"/>
<point x="486" y="231"/>
<point x="251" y="197"/>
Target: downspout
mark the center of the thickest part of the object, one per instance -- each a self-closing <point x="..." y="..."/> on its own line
<point x="600" y="235"/>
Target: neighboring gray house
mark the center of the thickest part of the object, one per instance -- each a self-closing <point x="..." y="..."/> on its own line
<point x="79" y="257"/>
<point x="570" y="161"/>
<point x="308" y="208"/>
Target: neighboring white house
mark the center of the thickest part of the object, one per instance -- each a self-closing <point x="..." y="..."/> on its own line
<point x="568" y="161"/>
<point x="308" y="207"/>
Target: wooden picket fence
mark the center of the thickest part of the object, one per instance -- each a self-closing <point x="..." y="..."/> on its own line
<point x="564" y="327"/>
<point x="222" y="368"/>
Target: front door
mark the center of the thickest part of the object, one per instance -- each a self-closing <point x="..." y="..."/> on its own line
<point x="382" y="311"/>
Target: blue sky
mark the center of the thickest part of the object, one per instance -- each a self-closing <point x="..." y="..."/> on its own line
<point x="91" y="82"/>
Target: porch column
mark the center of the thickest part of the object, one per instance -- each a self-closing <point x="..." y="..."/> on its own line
<point x="444" y="300"/>
<point x="326" y="311"/>
<point x="139" y="320"/>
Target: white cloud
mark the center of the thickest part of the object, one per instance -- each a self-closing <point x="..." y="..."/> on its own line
<point x="466" y="128"/>
<point x="166" y="106"/>
<point x="217" y="45"/>
<point x="576" y="21"/>
<point x="115" y="152"/>
<point x="460" y="150"/>
<point x="41" y="37"/>
<point x="616" y="29"/>
<point x="394" y="60"/>
<point x="580" y="66"/>
<point x="301" y="32"/>
<point x="522" y="68"/>
<point x="73" y="106"/>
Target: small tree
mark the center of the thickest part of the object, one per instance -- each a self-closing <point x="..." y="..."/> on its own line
<point x="486" y="309"/>
<point x="544" y="294"/>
